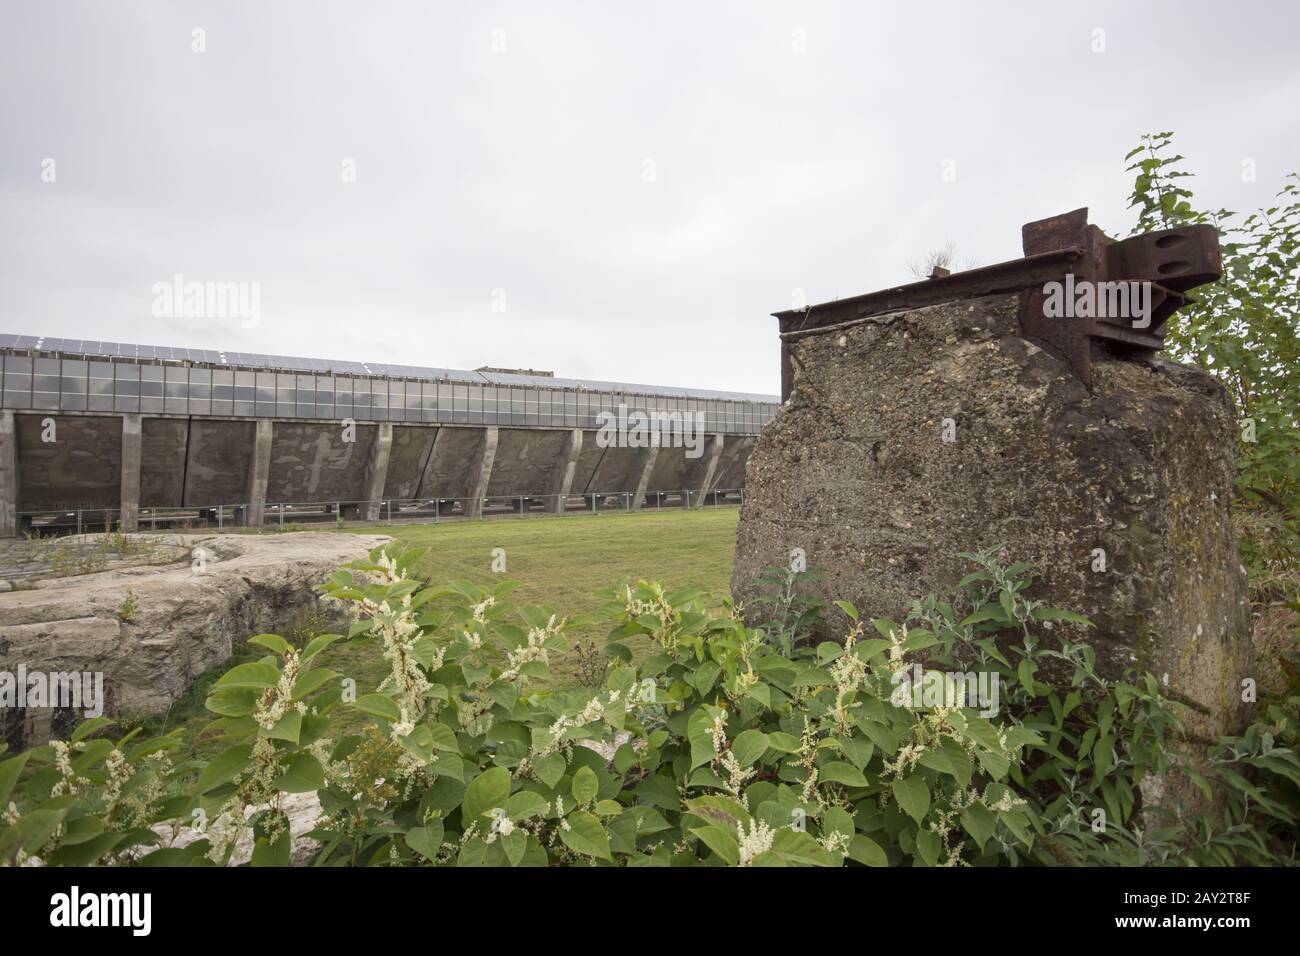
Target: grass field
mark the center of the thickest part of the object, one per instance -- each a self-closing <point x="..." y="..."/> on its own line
<point x="559" y="562"/>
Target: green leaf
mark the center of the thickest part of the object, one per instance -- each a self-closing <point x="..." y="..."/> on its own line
<point x="525" y="804"/>
<point x="837" y="771"/>
<point x="224" y="767"/>
<point x="848" y="609"/>
<point x="721" y="842"/>
<point x="316" y="645"/>
<point x="979" y="823"/>
<point x="426" y="840"/>
<point x="786" y="743"/>
<point x="514" y="844"/>
<point x="272" y="642"/>
<point x="488" y="790"/>
<point x="303" y="775"/>
<point x="88" y="727"/>
<point x="288" y="727"/>
<point x="585" y="786"/>
<point x="251" y="674"/>
<point x="585" y="835"/>
<point x="272" y="854"/>
<point x="377" y="705"/>
<point x="912" y="795"/>
<point x="951" y="759"/>
<point x="866" y="851"/>
<point x="9" y="772"/>
<point x="928" y="847"/>
<point x="549" y="769"/>
<point x="749" y="747"/>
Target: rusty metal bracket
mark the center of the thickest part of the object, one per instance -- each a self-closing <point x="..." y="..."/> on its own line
<point x="1118" y="294"/>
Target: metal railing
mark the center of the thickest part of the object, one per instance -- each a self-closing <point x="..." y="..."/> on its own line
<point x="342" y="513"/>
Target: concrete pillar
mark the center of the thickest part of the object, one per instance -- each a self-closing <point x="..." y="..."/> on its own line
<point x="643" y="480"/>
<point x="8" y="475"/>
<point x="562" y="474"/>
<point x="711" y="457"/>
<point x="480" y="472"/>
<point x="377" y="469"/>
<point x="259" y="469"/>
<point x="129" y="518"/>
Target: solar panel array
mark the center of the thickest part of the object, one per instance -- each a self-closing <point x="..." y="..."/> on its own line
<point x="287" y="363"/>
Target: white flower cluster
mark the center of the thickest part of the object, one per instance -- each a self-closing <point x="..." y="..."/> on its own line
<point x="658" y="608"/>
<point x="480" y="609"/>
<point x="720" y="732"/>
<point x="69" y="783"/>
<point x="398" y="632"/>
<point x="256" y="786"/>
<point x="390" y="574"/>
<point x="1008" y="801"/>
<point x="757" y="840"/>
<point x="737" y="777"/>
<point x="276" y="701"/>
<point x="835" y="841"/>
<point x="534" y="650"/>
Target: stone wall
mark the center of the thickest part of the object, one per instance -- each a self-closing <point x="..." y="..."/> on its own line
<point x="856" y="472"/>
<point x="184" y="617"/>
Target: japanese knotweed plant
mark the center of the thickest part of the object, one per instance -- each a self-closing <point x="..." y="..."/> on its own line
<point x="723" y="747"/>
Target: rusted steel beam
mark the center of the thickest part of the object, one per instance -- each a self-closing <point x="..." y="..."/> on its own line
<point x="1145" y="276"/>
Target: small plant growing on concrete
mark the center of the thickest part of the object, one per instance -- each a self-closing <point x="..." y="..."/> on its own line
<point x="126" y="610"/>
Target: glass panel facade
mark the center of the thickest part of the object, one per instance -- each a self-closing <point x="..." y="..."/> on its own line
<point x="73" y="385"/>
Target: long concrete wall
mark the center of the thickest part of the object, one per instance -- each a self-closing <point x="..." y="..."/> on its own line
<point x="120" y="464"/>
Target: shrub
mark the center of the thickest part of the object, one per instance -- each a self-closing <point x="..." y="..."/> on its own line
<point x="719" y="749"/>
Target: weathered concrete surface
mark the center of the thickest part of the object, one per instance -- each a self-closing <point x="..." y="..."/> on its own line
<point x="854" y="471"/>
<point x="203" y="463"/>
<point x="566" y="466"/>
<point x="407" y="458"/>
<point x="217" y="462"/>
<point x="730" y="474"/>
<point x="80" y="468"/>
<point x="589" y="457"/>
<point x="451" y="471"/>
<point x="163" y="450"/>
<point x="8" y="475"/>
<point x="188" y="616"/>
<point x="313" y="462"/>
<point x="617" y="470"/>
<point x="526" y="460"/>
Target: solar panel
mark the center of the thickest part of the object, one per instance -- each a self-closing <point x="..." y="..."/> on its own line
<point x="254" y="360"/>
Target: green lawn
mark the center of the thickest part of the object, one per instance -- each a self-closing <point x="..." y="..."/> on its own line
<point x="559" y="562"/>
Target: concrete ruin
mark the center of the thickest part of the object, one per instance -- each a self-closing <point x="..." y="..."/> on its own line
<point x="935" y="419"/>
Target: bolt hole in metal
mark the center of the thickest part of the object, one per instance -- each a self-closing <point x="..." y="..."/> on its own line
<point x="1164" y="242"/>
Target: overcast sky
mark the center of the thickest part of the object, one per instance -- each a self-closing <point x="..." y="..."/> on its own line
<point x="607" y="190"/>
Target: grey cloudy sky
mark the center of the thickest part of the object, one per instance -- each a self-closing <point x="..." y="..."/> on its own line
<point x="793" y="146"/>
